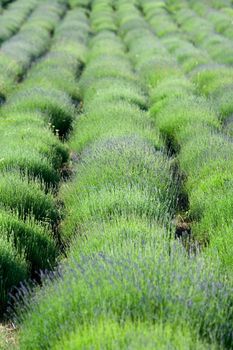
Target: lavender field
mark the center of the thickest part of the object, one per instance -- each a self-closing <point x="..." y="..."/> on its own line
<point x="116" y="174"/>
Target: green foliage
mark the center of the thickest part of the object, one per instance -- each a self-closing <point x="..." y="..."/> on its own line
<point x="216" y="82"/>
<point x="125" y="282"/>
<point x="191" y="125"/>
<point x="79" y="3"/>
<point x="14" y="16"/>
<point x="108" y="334"/>
<point x="119" y="177"/>
<point x="28" y="146"/>
<point x="123" y="115"/>
<point x="117" y="90"/>
<point x="217" y="46"/>
<point x="55" y="105"/>
<point x="32" y="156"/>
<point x="102" y="17"/>
<point x="19" y="194"/>
<point x="29" y="43"/>
<point x="127" y="271"/>
<point x="178" y="114"/>
<point x="13" y="268"/>
<point x="32" y="241"/>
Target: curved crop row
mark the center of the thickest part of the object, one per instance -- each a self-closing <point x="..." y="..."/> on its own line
<point x="122" y="179"/>
<point x="125" y="281"/>
<point x="27" y="243"/>
<point x="191" y="127"/>
<point x="216" y="80"/>
<point x="14" y="16"/>
<point x="162" y="23"/>
<point x="33" y="39"/>
<point x="213" y="80"/>
<point x="216" y="83"/>
<point x="32" y="156"/>
<point x="219" y="4"/>
<point x="50" y="86"/>
<point x="79" y="3"/>
<point x="220" y="15"/>
<point x="219" y="47"/>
